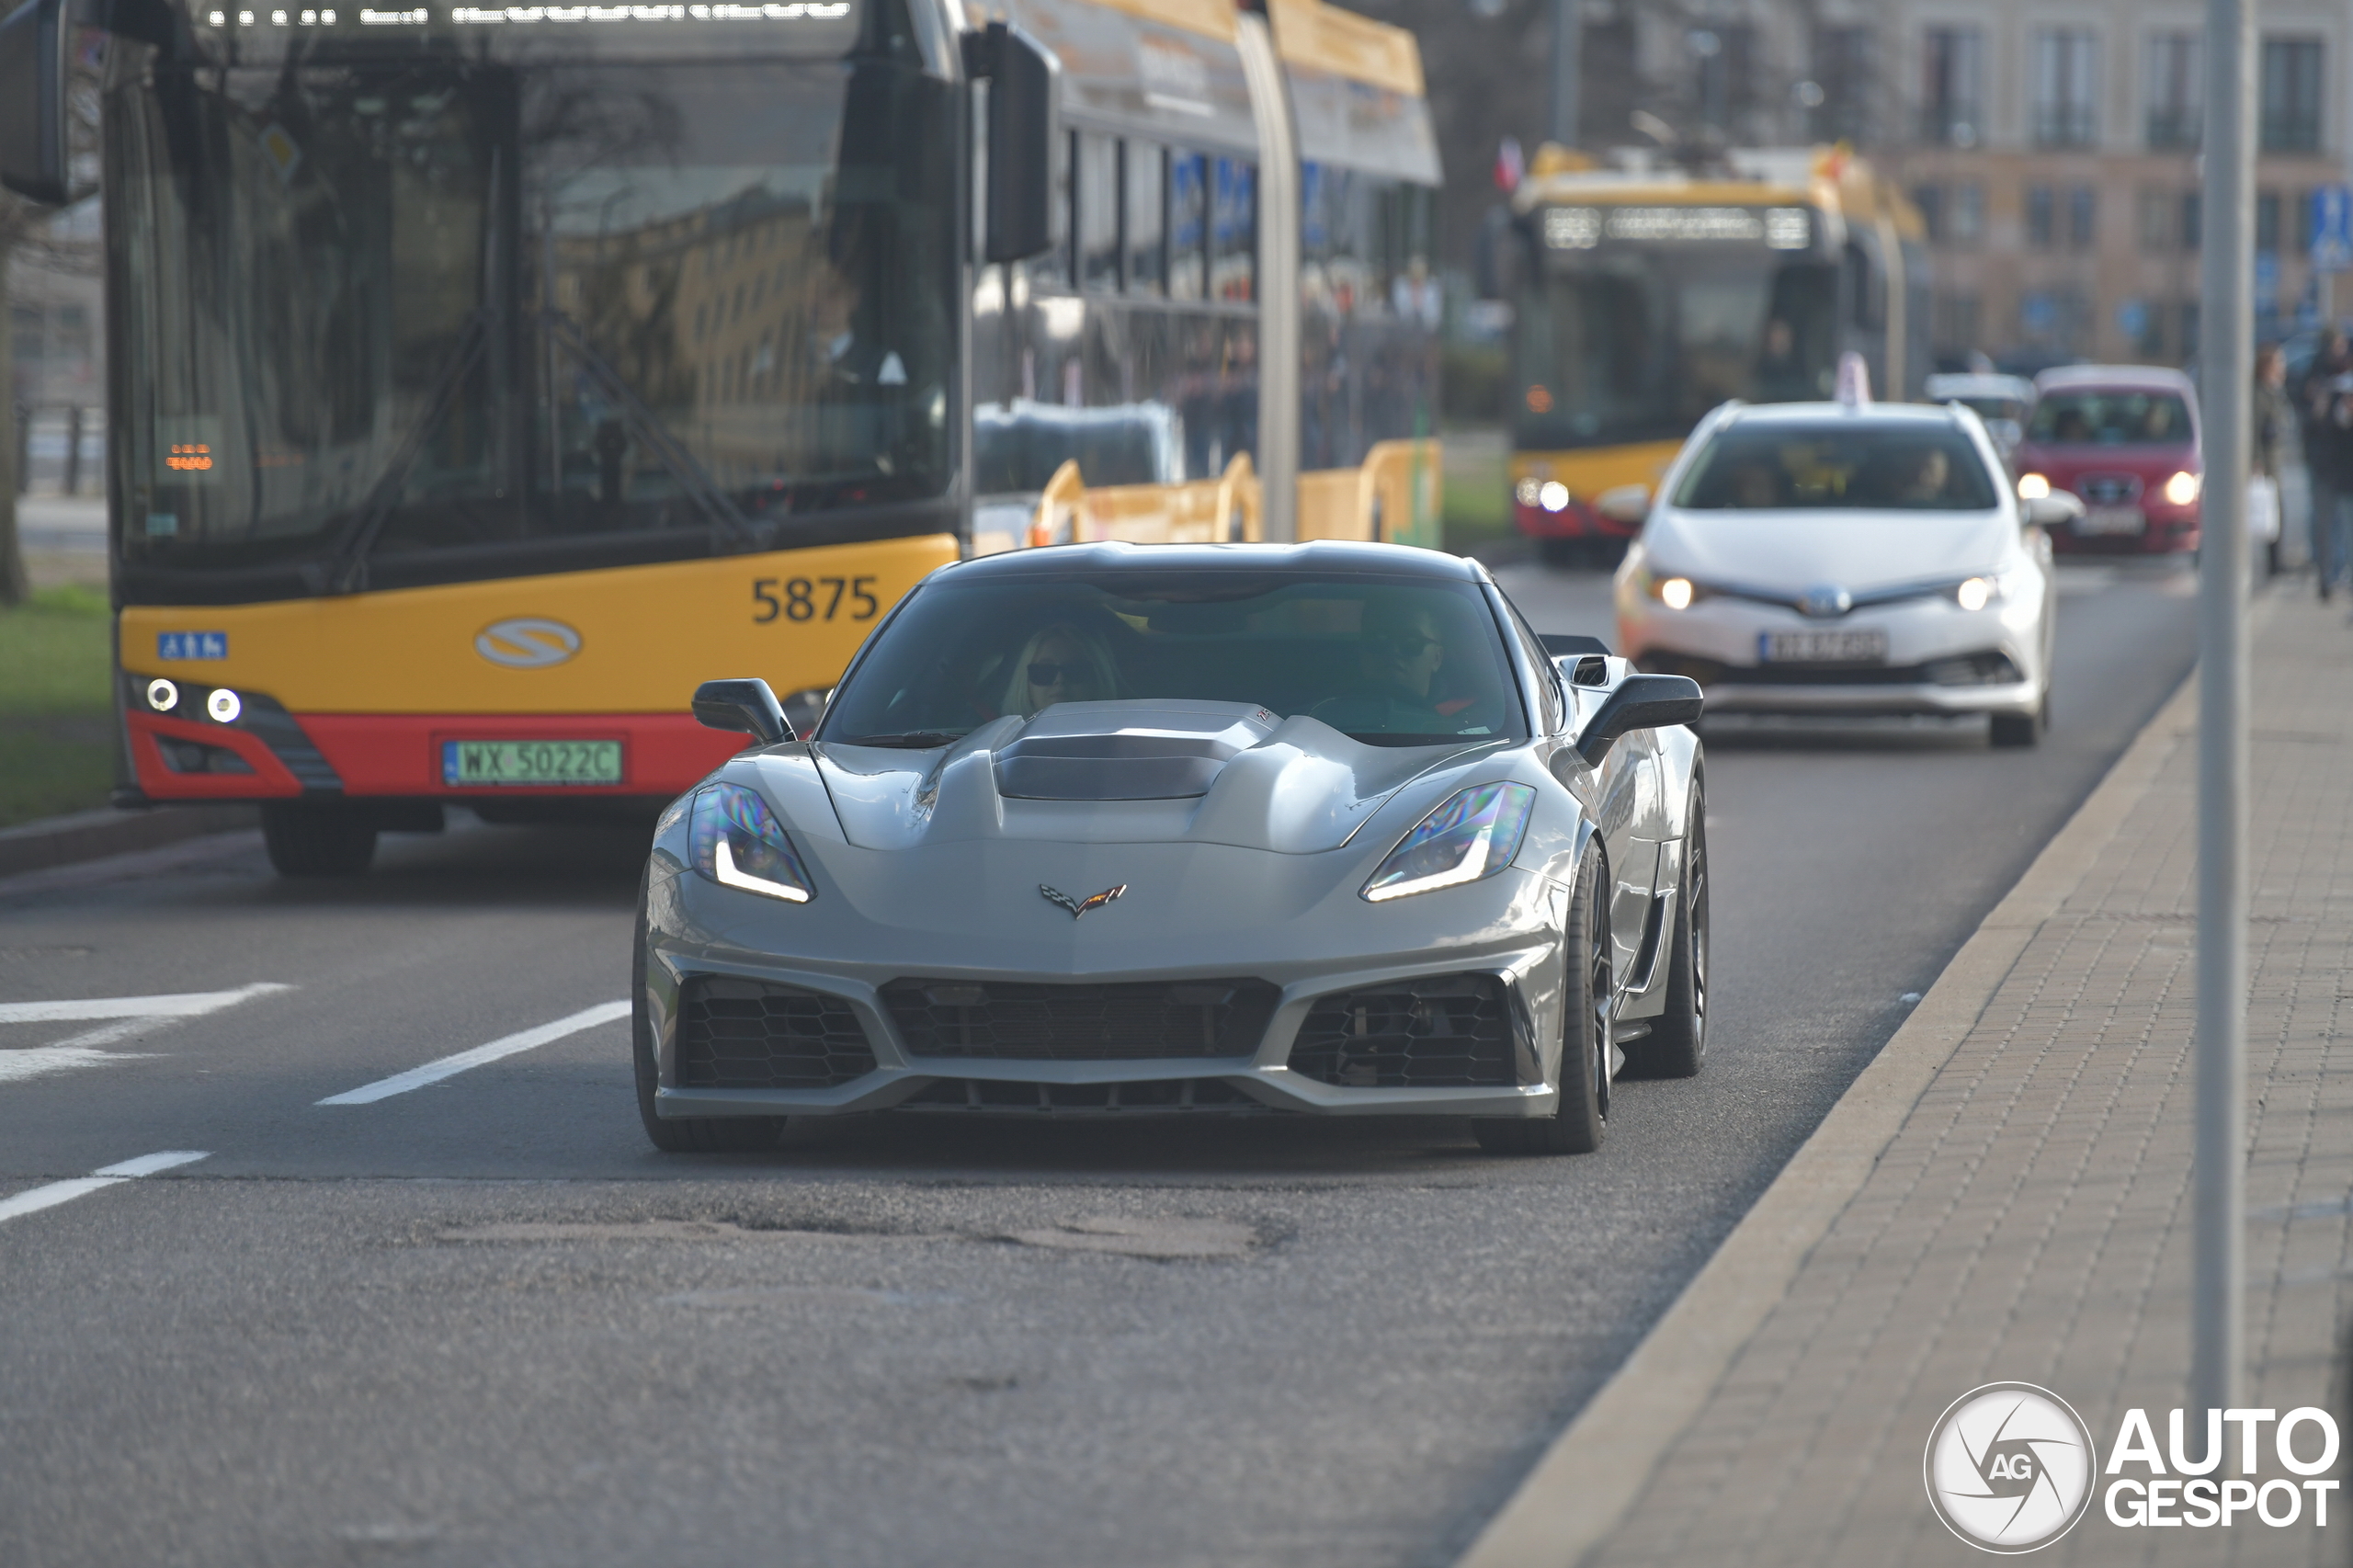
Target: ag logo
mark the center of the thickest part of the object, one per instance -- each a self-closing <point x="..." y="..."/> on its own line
<point x="2009" y="1468"/>
<point x="527" y="644"/>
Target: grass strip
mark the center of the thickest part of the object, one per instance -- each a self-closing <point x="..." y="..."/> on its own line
<point x="56" y="722"/>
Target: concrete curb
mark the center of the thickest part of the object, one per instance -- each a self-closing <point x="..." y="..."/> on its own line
<point x="1591" y="1475"/>
<point x="92" y="836"/>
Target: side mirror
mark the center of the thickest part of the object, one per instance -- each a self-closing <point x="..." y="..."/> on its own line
<point x="1024" y="80"/>
<point x="747" y="706"/>
<point x="1641" y="702"/>
<point x="2055" y="510"/>
<point x="33" y="44"/>
<point x="1627" y="504"/>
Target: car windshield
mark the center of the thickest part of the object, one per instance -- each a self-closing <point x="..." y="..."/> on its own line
<point x="390" y="307"/>
<point x="2110" y="419"/>
<point x="1911" y="467"/>
<point x="1387" y="661"/>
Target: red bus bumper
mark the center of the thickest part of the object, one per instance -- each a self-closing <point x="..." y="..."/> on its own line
<point x="269" y="754"/>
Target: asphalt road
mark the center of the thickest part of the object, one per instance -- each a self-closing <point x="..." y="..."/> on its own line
<point x="479" y="1321"/>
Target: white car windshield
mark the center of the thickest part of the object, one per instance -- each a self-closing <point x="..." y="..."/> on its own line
<point x="1767" y="467"/>
<point x="1388" y="661"/>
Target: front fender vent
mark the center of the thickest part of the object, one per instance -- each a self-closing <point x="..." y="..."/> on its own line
<point x="1448" y="1031"/>
<point x="746" y="1034"/>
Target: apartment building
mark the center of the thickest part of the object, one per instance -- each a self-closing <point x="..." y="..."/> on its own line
<point x="2051" y="146"/>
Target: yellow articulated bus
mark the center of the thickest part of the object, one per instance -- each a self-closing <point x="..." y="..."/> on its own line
<point x="1643" y="297"/>
<point x="484" y="377"/>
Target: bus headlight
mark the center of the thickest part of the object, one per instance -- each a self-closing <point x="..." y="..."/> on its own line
<point x="2033" y="487"/>
<point x="1554" y="496"/>
<point x="162" y="695"/>
<point x="223" y="705"/>
<point x="2182" y="488"/>
<point x="1528" y="492"/>
<point x="738" y="843"/>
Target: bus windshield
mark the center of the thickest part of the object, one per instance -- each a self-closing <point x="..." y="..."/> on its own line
<point x="423" y="317"/>
<point x="1626" y="344"/>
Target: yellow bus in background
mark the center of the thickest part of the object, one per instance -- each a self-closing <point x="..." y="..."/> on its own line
<point x="1645" y="295"/>
<point x="484" y="377"/>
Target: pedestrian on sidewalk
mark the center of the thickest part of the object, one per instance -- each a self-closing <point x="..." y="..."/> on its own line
<point x="2273" y="417"/>
<point x="2326" y="406"/>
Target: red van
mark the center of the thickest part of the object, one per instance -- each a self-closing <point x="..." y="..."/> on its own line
<point x="2123" y="438"/>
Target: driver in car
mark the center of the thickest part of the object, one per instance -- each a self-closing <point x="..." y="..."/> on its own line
<point x="1399" y="654"/>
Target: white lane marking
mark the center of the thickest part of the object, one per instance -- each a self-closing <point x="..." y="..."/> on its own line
<point x="129" y="1017"/>
<point x="16" y="1066"/>
<point x="450" y="1066"/>
<point x="58" y="1192"/>
<point x="183" y="1005"/>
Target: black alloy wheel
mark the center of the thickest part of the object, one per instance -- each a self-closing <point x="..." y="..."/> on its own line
<point x="679" y="1135"/>
<point x="1677" y="1042"/>
<point x="1577" y="1123"/>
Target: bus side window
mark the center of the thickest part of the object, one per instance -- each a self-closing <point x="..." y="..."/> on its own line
<point x="1189" y="214"/>
<point x="1865" y="290"/>
<point x="1234" y="232"/>
<point x="1053" y="268"/>
<point x="1146" y="196"/>
<point x="1095" y="221"/>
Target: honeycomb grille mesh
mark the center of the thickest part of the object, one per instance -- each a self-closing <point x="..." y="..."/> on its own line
<point x="1453" y="1031"/>
<point x="745" y="1034"/>
<point x="1011" y="1021"/>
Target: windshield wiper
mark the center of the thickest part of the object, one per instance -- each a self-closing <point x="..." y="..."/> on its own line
<point x="700" y="487"/>
<point x="907" y="740"/>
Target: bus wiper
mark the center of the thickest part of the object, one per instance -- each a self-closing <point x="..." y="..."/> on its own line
<point x="347" y="568"/>
<point x="907" y="740"/>
<point x="701" y="488"/>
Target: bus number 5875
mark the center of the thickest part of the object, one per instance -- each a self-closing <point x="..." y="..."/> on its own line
<point x="804" y="596"/>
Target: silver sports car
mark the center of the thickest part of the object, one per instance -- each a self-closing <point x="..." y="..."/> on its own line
<point x="1106" y="830"/>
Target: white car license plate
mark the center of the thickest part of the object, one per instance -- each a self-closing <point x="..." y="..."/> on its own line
<point x="1821" y="647"/>
<point x="495" y="763"/>
<point x="2111" y="520"/>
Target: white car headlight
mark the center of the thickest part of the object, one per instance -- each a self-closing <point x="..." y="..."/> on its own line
<point x="738" y="843"/>
<point x="1472" y="836"/>
<point x="1976" y="593"/>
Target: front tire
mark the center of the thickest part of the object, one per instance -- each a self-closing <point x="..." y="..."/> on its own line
<point x="1677" y="1042"/>
<point x="1576" y="1125"/>
<point x="317" y="839"/>
<point x="679" y="1135"/>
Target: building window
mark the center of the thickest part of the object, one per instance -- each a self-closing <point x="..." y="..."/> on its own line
<point x="2193" y="219"/>
<point x="2266" y="220"/>
<point x="2174" y="91"/>
<point x="2041" y="217"/>
<point x="2291" y="95"/>
<point x="1930" y="200"/>
<point x="2301" y="205"/>
<point x="1842" y="69"/>
<point x="1724" y="81"/>
<point x="2082" y="218"/>
<point x="1953" y="322"/>
<point x="2158" y="227"/>
<point x="2145" y="323"/>
<point x="2066" y="84"/>
<point x="1951" y="88"/>
<point x="1965" y="214"/>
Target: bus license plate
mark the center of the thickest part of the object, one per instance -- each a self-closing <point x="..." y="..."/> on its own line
<point x="2111" y="520"/>
<point x="471" y="763"/>
<point x="1821" y="647"/>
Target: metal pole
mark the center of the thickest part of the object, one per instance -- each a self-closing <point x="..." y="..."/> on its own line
<point x="2226" y="321"/>
<point x="1568" y="38"/>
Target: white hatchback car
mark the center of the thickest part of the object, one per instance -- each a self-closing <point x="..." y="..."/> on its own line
<point x="1847" y="559"/>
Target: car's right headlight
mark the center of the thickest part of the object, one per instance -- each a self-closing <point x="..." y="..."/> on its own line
<point x="738" y="843"/>
<point x="1472" y="836"/>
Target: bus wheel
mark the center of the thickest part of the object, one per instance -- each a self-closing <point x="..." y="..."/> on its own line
<point x="309" y="838"/>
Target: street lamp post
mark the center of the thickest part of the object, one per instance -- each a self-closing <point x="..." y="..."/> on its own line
<point x="2227" y="317"/>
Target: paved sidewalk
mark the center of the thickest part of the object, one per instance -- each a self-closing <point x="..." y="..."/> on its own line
<point x="2029" y="1218"/>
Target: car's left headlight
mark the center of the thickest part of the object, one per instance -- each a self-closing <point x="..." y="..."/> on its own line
<point x="738" y="843"/>
<point x="1473" y="835"/>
